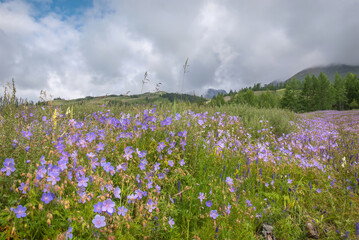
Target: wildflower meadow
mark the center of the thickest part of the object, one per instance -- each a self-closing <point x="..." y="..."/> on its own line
<point x="177" y="172"/>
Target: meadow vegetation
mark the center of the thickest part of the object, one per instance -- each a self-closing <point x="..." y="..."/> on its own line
<point x="176" y="171"/>
<point x="313" y="93"/>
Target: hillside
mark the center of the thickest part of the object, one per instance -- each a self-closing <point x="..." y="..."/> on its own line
<point x="329" y="71"/>
<point x="156" y="98"/>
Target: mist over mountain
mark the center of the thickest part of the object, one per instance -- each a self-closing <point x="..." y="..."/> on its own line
<point x="329" y="71"/>
<point x="210" y="93"/>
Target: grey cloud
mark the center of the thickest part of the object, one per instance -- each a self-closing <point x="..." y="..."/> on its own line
<point x="230" y="44"/>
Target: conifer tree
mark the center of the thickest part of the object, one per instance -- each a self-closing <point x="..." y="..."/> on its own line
<point x="306" y="96"/>
<point x="340" y="93"/>
<point x="352" y="88"/>
<point x="249" y="97"/>
<point x="324" y="93"/>
<point x="290" y="97"/>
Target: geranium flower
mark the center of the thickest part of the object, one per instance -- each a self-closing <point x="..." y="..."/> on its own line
<point x="171" y="222"/>
<point x="214" y="214"/>
<point x="108" y="206"/>
<point x="8" y="166"/>
<point x="99" y="221"/>
<point x="201" y="196"/>
<point x="47" y="197"/>
<point x="20" y="211"/>
<point x="122" y="211"/>
<point x="117" y="192"/>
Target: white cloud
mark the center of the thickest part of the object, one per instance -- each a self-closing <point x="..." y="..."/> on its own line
<point x="230" y="44"/>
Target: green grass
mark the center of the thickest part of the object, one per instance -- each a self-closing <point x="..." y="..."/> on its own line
<point x="261" y="150"/>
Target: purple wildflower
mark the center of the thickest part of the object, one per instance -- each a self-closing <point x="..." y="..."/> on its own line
<point x="131" y="198"/>
<point x="97" y="208"/>
<point x="82" y="182"/>
<point x="161" y="146"/>
<point x="201" y="196"/>
<point x="26" y="134"/>
<point x="122" y="167"/>
<point x="24" y="187"/>
<point x="156" y="167"/>
<point x="228" y="209"/>
<point x="139" y="194"/>
<point x="117" y="192"/>
<point x="108" y="167"/>
<point x="20" y="211"/>
<point x="171" y="222"/>
<point x="99" y="221"/>
<point x="91" y="155"/>
<point x="128" y="153"/>
<point x="214" y="214"/>
<point x="100" y="147"/>
<point x="158" y="189"/>
<point x="62" y="164"/>
<point x="94" y="163"/>
<point x="182" y="162"/>
<point x="151" y="205"/>
<point x="69" y="175"/>
<point x="8" y="166"/>
<point x="150" y="184"/>
<point x="141" y="154"/>
<point x="171" y="199"/>
<point x="53" y="176"/>
<point x="42" y="160"/>
<point x="122" y="211"/>
<point x="47" y="197"/>
<point x="142" y="165"/>
<point x="229" y="181"/>
<point x="14" y="144"/>
<point x="108" y="206"/>
<point x="68" y="233"/>
<point x="90" y="136"/>
<point x="209" y="203"/>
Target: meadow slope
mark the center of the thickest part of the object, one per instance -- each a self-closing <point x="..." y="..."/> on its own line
<point x="152" y="173"/>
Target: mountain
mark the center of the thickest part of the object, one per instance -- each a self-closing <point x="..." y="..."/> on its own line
<point x="329" y="71"/>
<point x="210" y="93"/>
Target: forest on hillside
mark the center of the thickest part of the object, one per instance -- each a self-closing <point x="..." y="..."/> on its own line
<point x="313" y="94"/>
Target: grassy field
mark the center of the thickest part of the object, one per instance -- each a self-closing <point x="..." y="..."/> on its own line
<point x="137" y="99"/>
<point x="279" y="92"/>
<point x="145" y="98"/>
<point x="177" y="171"/>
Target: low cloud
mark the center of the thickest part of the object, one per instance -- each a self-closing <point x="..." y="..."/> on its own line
<point x="106" y="48"/>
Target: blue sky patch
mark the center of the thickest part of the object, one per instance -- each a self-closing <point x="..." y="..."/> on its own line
<point x="65" y="8"/>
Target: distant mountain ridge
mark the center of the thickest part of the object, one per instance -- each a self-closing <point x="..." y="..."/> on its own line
<point x="328" y="70"/>
<point x="210" y="93"/>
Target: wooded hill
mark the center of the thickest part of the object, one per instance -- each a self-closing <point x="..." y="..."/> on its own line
<point x="311" y="94"/>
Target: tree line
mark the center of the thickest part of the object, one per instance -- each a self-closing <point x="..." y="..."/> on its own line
<point x="313" y="94"/>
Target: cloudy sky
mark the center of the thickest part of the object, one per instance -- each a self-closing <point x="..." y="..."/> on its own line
<point x="77" y="48"/>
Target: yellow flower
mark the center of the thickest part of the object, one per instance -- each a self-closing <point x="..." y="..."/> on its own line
<point x="344" y="162"/>
<point x="54" y="118"/>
